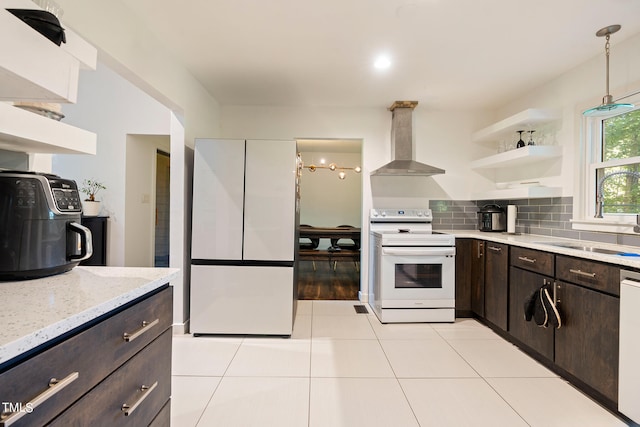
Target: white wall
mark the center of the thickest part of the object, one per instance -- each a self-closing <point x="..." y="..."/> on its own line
<point x="180" y="222"/>
<point x="112" y="108"/>
<point x="442" y="139"/>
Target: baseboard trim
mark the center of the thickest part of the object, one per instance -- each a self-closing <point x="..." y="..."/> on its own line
<point x="180" y="328"/>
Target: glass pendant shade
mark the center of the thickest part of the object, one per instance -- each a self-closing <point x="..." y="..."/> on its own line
<point x="607" y="109"/>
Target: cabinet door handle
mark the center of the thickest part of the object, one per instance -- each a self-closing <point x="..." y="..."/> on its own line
<point x="582" y="273"/>
<point x="525" y="259"/>
<point x="480" y="247"/>
<point x="495" y="248"/>
<point x="145" y="327"/>
<point x="54" y="386"/>
<point x="146" y="390"/>
<point x="556" y="288"/>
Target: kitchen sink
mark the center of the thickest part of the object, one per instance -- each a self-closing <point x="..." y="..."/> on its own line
<point x="587" y="248"/>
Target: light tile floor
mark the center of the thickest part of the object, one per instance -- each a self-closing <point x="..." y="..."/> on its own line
<point x="346" y="369"/>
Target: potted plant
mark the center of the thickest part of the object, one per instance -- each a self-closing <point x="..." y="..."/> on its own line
<point x="91" y="187"/>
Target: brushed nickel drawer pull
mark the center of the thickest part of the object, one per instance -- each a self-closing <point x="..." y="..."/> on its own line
<point x="495" y="248"/>
<point x="582" y="273"/>
<point x="54" y="386"/>
<point x="145" y="327"/>
<point x="146" y="390"/>
<point x="525" y="259"/>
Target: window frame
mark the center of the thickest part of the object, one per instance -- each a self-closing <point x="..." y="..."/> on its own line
<point x="591" y="144"/>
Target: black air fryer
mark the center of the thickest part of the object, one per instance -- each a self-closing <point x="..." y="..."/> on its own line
<point x="40" y="231"/>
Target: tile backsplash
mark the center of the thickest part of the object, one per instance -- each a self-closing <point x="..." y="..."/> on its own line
<point x="454" y="214"/>
<point x="545" y="217"/>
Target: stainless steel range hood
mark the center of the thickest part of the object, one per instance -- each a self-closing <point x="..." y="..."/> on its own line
<point x="403" y="163"/>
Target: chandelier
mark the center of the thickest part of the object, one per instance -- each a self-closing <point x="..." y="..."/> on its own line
<point x="333" y="168"/>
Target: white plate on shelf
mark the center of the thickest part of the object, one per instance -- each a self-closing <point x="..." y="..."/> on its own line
<point x="519" y="184"/>
<point x="526" y="184"/>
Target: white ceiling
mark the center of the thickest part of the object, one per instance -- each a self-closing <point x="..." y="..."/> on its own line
<point x="445" y="53"/>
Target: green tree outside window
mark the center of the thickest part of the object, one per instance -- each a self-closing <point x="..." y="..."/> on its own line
<point x="621" y="140"/>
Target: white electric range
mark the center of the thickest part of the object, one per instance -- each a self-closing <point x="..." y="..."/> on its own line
<point x="412" y="268"/>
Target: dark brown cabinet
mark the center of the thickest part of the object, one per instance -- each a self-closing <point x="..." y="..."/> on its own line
<point x="522" y="283"/>
<point x="586" y="293"/>
<point x="469" y="277"/>
<point x="590" y="274"/>
<point x="98" y="227"/>
<point x="587" y="344"/>
<point x="533" y="260"/>
<point x="496" y="285"/>
<point x="463" y="277"/>
<point x="477" y="277"/>
<point x="131" y="396"/>
<point x="530" y="270"/>
<point x="121" y="345"/>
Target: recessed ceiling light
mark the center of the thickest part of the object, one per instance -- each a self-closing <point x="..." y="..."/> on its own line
<point x="382" y="62"/>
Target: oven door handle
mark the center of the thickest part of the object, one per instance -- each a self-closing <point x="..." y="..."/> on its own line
<point x="421" y="251"/>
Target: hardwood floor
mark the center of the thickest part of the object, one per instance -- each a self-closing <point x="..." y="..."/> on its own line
<point x="326" y="284"/>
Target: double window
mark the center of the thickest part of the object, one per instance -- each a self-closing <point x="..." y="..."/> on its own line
<point x="613" y="192"/>
<point x="619" y="169"/>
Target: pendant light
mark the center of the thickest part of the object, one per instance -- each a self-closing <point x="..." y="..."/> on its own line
<point x="332" y="167"/>
<point x="608" y="105"/>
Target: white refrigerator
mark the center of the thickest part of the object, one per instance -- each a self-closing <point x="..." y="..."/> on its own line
<point x="245" y="217"/>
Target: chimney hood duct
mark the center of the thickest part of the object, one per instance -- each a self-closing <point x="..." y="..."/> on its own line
<point x="403" y="163"/>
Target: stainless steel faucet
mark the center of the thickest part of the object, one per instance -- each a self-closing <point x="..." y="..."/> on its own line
<point x="600" y="196"/>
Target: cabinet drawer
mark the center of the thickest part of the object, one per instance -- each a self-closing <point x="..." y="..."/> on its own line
<point x="591" y="274"/>
<point x="497" y="249"/>
<point x="532" y="260"/>
<point x="163" y="419"/>
<point x="84" y="359"/>
<point x="131" y="396"/>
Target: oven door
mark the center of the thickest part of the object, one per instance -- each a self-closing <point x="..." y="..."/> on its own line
<point x="417" y="277"/>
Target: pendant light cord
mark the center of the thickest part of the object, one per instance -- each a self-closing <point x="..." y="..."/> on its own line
<point x="628" y="96"/>
<point x="606" y="51"/>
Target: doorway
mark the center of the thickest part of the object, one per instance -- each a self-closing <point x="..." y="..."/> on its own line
<point x="163" y="169"/>
<point x="330" y="198"/>
<point x="141" y="208"/>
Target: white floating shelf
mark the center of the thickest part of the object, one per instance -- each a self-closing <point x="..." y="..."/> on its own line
<point x="514" y="123"/>
<point x="80" y="49"/>
<point x="27" y="132"/>
<point x="517" y="157"/>
<point x="32" y="68"/>
<point x="519" y="193"/>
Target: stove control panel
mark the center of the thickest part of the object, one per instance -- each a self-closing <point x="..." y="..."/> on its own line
<point x="400" y="215"/>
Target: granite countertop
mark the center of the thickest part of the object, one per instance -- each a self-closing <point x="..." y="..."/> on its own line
<point x="37" y="311"/>
<point x="534" y="241"/>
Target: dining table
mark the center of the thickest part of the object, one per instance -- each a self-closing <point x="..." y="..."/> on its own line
<point x="330" y="233"/>
<point x="331" y="254"/>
